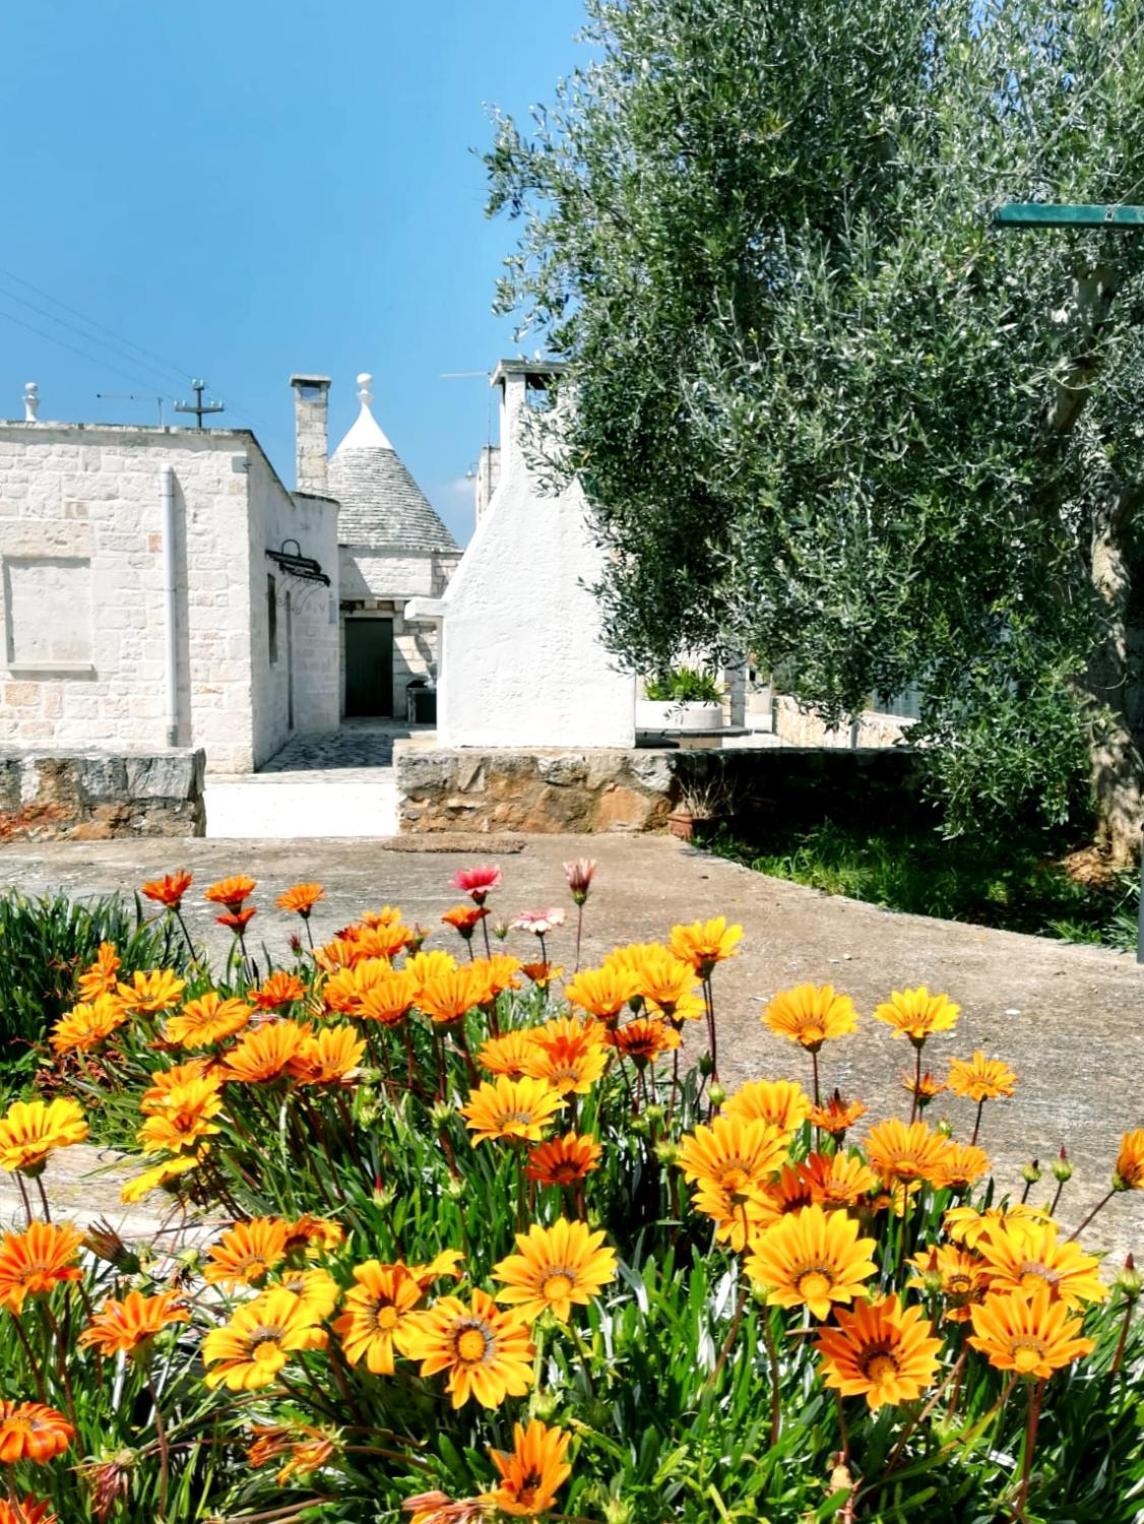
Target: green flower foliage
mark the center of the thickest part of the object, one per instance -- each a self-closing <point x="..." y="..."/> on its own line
<point x="823" y="411"/>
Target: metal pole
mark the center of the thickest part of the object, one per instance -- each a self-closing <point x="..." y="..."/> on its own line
<point x="170" y="605"/>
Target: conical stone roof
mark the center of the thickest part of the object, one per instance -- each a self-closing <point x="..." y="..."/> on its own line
<point x="381" y="505"/>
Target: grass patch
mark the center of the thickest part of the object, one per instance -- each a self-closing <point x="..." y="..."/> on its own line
<point x="1017" y="886"/>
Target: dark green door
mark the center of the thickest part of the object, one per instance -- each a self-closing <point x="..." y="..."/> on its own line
<point x="369" y="667"/>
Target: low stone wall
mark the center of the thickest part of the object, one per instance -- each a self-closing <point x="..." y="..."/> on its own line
<point x="94" y="796"/>
<point x="798" y="725"/>
<point x="608" y="789"/>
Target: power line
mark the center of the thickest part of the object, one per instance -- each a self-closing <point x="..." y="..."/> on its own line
<point x="83" y="353"/>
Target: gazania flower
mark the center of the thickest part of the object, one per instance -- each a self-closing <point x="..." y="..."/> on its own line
<point x="556" y="1269"/>
<point x="705" y="943"/>
<point x="962" y="1164"/>
<point x="440" y="1508"/>
<point x="837" y="1180"/>
<point x="303" y="1449"/>
<point x="447" y="1263"/>
<point x="376" y="1320"/>
<point x="247" y="1353"/>
<point x="1129" y="1173"/>
<point x="246" y="1253"/>
<point x="313" y="1236"/>
<point x="424" y="966"/>
<point x="791" y="1193"/>
<point x="31" y="1130"/>
<point x="837" y="1116"/>
<point x="509" y="1108"/>
<point x="159" y="1175"/>
<point x="34" y="1262"/>
<point x="1031" y="1258"/>
<point x="539" y="922"/>
<point x="101" y="978"/>
<point x="666" y="982"/>
<point x="330" y="1057"/>
<point x="163" y="1081"/>
<point x="493" y="975"/>
<point x="316" y="1289"/>
<point x="782" y="1103"/>
<point x="389" y="1000"/>
<point x="208" y="1020"/>
<point x="579" y="875"/>
<point x="477" y="883"/>
<point x="346" y="987"/>
<point x="967" y="1226"/>
<point x="917" y="1014"/>
<point x="388" y="915"/>
<point x="237" y="920"/>
<point x="531" y="1473"/>
<point x="487" y="1353"/>
<point x="30" y="1431"/>
<point x="387" y="939"/>
<point x="731" y="1165"/>
<point x="183" y="1120"/>
<point x="542" y="974"/>
<point x="953" y="1273"/>
<point x="812" y="1259"/>
<point x="506" y="1054"/>
<point x="1033" y="1336"/>
<point x="906" y="1152"/>
<point x="129" y="1326"/>
<point x="265" y="1052"/>
<point x="980" y="1078"/>
<point x="27" y="1510"/>
<point x="278" y="989"/>
<point x="923" y="1087"/>
<point x="231" y="892"/>
<point x="168" y="890"/>
<point x="563" y="1161"/>
<point x="88" y="1024"/>
<point x="644" y="1040"/>
<point x="301" y="899"/>
<point x="447" y="997"/>
<point x="152" y="992"/>
<point x="602" y="992"/>
<point x="569" y="1054"/>
<point x="465" y="919"/>
<point x="810" y="1014"/>
<point x="879" y="1351"/>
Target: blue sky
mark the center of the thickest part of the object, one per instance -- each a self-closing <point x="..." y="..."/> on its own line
<point x="246" y="188"/>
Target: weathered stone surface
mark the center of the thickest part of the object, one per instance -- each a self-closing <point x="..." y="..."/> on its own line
<point x="97" y="796"/>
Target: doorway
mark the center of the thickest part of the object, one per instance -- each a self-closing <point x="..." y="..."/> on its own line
<point x="369" y="668"/>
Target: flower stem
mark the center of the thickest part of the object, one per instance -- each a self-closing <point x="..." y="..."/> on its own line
<point x="1030" y="1443"/>
<point x="1123" y="1339"/>
<point x="579" y="932"/>
<point x="1104" y="1200"/>
<point x="814" y="1071"/>
<point x="977" y="1121"/>
<point x="917" y="1080"/>
<point x="164" y="1448"/>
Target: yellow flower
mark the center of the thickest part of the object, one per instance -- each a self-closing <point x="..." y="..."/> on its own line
<point x="809" y="1014"/>
<point x="424" y="966"/>
<point x="902" y="1151"/>
<point x="531" y="1473"/>
<point x="782" y="1103"/>
<point x="510" y="1108"/>
<point x="506" y="1054"/>
<point x="183" y="1118"/>
<point x="1033" y="1336"/>
<point x="246" y="1253"/>
<point x="958" y="1276"/>
<point x="331" y="1057"/>
<point x="152" y="992"/>
<point x="265" y="1052"/>
<point x="1031" y="1258"/>
<point x="570" y="1055"/>
<point x="446" y="997"/>
<point x="980" y="1078"/>
<point x="917" y="1014"/>
<point x="603" y="992"/>
<point x="557" y="1268"/>
<point x="31" y="1130"/>
<point x="86" y="1025"/>
<point x="388" y="999"/>
<point x="962" y="1164"/>
<point x="731" y="1164"/>
<point x="376" y="1319"/>
<point x="705" y="943"/>
<point x="159" y="1175"/>
<point x="164" y="1081"/>
<point x="879" y="1351"/>
<point x="101" y="977"/>
<point x="315" y="1289"/>
<point x="209" y="1019"/>
<point x="1129" y="1175"/>
<point x="487" y="1353"/>
<point x="812" y="1259"/>
<point x="663" y="980"/>
<point x="837" y="1180"/>
<point x="966" y="1225"/>
<point x="247" y="1353"/>
<point x="837" y="1116"/>
<point x="563" y="1161"/>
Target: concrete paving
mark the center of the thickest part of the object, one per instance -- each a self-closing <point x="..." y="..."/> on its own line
<point x="1070" y="1020"/>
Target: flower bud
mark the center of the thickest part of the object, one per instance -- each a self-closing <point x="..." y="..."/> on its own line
<point x="441" y="1114"/>
<point x="666" y="1151"/>
<point x="639" y="1126"/>
<point x="717" y="1095"/>
<point x="455" y="1188"/>
<point x="655" y="1114"/>
<point x="944" y="1128"/>
<point x="1129" y="1282"/>
<point x="1062" y="1169"/>
<point x="616" y="1511"/>
<point x="705" y="1065"/>
<point x="1031" y="1172"/>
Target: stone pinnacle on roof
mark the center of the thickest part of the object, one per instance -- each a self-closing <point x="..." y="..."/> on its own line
<point x="381" y="504"/>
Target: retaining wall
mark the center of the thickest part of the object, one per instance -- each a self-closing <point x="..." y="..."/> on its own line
<point x="95" y="795"/>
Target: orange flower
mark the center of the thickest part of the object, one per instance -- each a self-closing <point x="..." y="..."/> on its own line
<point x="917" y="1014"/>
<point x="152" y="992"/>
<point x="962" y="1164"/>
<point x="388" y="915"/>
<point x="86" y="1025"/>
<point x="507" y="1053"/>
<point x="465" y="919"/>
<point x="246" y="1253"/>
<point x="644" y="1040"/>
<point x="493" y="975"/>
<point x="810" y="1014"/>
<point x="313" y="1235"/>
<point x="385" y="940"/>
<point x="514" y="1109"/>
<point x="666" y="982"/>
<point x="208" y="1020"/>
<point x="278" y="989"/>
<point x="101" y="977"/>
<point x="957" y="1275"/>
<point x="129" y="1326"/>
<point x="31" y="1130"/>
<point x="568" y="1053"/>
<point x="1129" y="1172"/>
<point x="901" y="1152"/>
<point x="980" y="1078"/>
<point x="163" y="1081"/>
<point x="265" y="1053"/>
<point x="237" y="920"/>
<point x="389" y="999"/>
<point x="329" y="1058"/>
<point x="563" y="1161"/>
<point x="345" y="988"/>
<point x="36" y="1261"/>
<point x="301" y="898"/>
<point x="705" y="943"/>
<point x="922" y="1087"/>
<point x="782" y="1103"/>
<point x="837" y="1180"/>
<point x="28" y="1510"/>
<point x="837" y="1116"/>
<point x="169" y="889"/>
<point x="603" y="992"/>
<point x="1033" y="1336"/>
<point x="183" y="1118"/>
<point x="880" y="1351"/>
<point x="542" y="974"/>
<point x="446" y="997"/>
<point x="231" y="891"/>
<point x="31" y="1431"/>
<point x="377" y="1317"/>
<point x="532" y="1472"/>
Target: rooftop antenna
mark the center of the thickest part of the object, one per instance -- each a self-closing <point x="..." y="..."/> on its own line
<point x="134" y="397"/>
<point x="199" y="407"/>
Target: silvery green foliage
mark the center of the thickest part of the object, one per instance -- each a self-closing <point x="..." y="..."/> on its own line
<point x="823" y="411"/>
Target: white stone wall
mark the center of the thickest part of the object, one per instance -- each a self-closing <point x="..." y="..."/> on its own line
<point x="522" y="659"/>
<point x="383" y="581"/>
<point x="88" y="499"/>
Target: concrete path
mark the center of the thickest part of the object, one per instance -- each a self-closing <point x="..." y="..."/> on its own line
<point x="1070" y="1020"/>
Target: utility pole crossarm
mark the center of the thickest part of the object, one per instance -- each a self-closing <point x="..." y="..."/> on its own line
<point x="1043" y="214"/>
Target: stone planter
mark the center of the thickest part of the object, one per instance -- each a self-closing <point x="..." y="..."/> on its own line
<point x="657" y="714"/>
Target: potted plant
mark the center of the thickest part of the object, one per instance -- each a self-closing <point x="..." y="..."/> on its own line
<point x="684" y="698"/>
<point x="702" y="802"/>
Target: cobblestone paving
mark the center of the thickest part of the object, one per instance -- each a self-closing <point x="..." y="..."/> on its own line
<point x="350" y="747"/>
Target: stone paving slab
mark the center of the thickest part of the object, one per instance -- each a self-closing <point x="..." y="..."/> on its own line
<point x="1069" y="1019"/>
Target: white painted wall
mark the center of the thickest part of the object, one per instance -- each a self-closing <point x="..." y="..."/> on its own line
<point x="522" y="662"/>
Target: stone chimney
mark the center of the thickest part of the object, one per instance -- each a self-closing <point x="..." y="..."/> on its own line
<point x="311" y="432"/>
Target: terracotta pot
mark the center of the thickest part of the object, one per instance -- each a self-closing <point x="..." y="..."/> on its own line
<point x="681" y="823"/>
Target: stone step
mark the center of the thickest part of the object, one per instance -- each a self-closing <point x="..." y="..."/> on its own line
<point x="278" y="807"/>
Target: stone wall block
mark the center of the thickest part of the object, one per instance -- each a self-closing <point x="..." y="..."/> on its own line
<point x="97" y="796"/>
<point x="169" y="775"/>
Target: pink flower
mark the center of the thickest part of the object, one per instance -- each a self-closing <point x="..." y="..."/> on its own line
<point x="579" y="875"/>
<point x="476" y="882"/>
<point x="539" y="921"/>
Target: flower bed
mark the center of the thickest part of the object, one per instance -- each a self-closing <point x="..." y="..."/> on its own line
<point x="492" y="1247"/>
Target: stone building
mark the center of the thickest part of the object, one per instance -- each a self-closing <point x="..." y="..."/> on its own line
<point x="161" y="587"/>
<point x="393" y="547"/>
